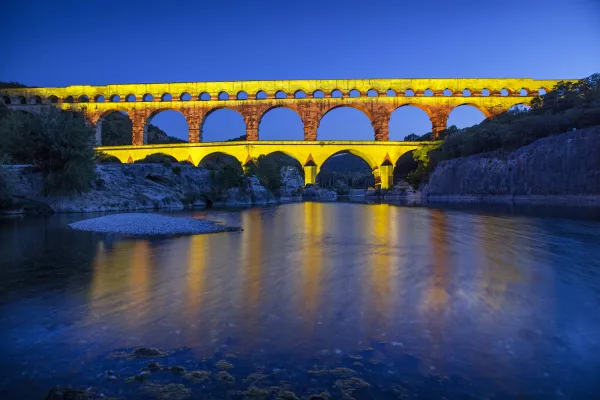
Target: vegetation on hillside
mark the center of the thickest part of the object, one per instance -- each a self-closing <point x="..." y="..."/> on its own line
<point x="344" y="172"/>
<point x="12" y="85"/>
<point x="57" y="143"/>
<point x="268" y="170"/>
<point x="116" y="130"/>
<point x="569" y="106"/>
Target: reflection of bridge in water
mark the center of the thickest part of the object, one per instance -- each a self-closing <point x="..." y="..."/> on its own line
<point x="310" y="99"/>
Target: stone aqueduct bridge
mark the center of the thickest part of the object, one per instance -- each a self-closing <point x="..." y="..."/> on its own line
<point x="311" y="99"/>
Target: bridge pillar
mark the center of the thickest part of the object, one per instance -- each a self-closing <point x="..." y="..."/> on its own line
<point x="310" y="131"/>
<point x="251" y="120"/>
<point x="310" y="174"/>
<point x="381" y="124"/>
<point x="439" y="119"/>
<point x="194" y="121"/>
<point x="386" y="173"/>
<point x="382" y="132"/>
<point x="138" y="128"/>
<point x="309" y="113"/>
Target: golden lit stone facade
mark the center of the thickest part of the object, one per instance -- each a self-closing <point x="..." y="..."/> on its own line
<point x="311" y="99"/>
<point x="311" y="154"/>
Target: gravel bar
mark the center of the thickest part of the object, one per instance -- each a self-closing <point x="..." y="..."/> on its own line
<point x="149" y="224"/>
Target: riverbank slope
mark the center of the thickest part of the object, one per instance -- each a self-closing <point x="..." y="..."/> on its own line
<point x="557" y="169"/>
<point x="133" y="187"/>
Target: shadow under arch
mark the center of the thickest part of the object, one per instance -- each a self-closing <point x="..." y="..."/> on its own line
<point x="296" y="162"/>
<point x="155" y="138"/>
<point x="286" y="126"/>
<point x="370" y="162"/>
<point x="218" y="158"/>
<point x="346" y="167"/>
<point x="114" y="128"/>
<point x="211" y="112"/>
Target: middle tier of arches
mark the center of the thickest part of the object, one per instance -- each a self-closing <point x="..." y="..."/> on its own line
<point x="310" y="115"/>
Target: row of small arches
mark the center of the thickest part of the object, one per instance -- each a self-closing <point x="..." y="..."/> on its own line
<point x="261" y="95"/>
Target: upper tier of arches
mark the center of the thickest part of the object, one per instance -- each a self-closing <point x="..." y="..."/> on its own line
<point x="260" y="90"/>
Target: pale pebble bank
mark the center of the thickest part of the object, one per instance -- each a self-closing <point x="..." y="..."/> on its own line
<point x="149" y="224"/>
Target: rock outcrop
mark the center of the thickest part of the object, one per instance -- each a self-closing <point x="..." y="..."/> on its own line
<point x="556" y="166"/>
<point x="135" y="187"/>
<point x="292" y="183"/>
<point x="314" y="192"/>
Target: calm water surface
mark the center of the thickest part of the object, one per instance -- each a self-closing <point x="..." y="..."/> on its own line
<point x="417" y="301"/>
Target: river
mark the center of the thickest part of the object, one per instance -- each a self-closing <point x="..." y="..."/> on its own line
<point x="416" y="301"/>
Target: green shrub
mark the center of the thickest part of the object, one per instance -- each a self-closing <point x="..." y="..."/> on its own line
<point x="103" y="158"/>
<point x="58" y="144"/>
<point x="5" y="199"/>
<point x="157" y="158"/>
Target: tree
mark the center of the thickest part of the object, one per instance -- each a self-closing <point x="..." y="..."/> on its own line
<point x="58" y="144"/>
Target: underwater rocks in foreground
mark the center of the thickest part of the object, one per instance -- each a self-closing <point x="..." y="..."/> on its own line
<point x="149" y="224"/>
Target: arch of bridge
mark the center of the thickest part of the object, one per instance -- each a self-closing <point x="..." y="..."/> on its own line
<point x="311" y="110"/>
<point x="374" y="153"/>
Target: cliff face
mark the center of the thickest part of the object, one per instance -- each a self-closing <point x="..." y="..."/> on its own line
<point x="561" y="165"/>
<point x="134" y="187"/>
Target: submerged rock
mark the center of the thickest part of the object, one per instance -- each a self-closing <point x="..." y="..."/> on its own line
<point x="172" y="391"/>
<point x="225" y="377"/>
<point x="67" y="393"/>
<point x="154" y="366"/>
<point x="254" y="392"/>
<point x="178" y="369"/>
<point x="224" y="365"/>
<point x="197" y="376"/>
<point x="149" y="352"/>
<point x="348" y="386"/>
<point x="336" y="372"/>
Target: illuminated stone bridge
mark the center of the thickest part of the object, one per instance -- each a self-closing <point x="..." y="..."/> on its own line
<point x="310" y="99"/>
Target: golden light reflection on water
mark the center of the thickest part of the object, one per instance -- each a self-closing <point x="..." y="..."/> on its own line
<point x="464" y="293"/>
<point x="311" y="252"/>
<point x="380" y="271"/>
<point x="251" y="263"/>
<point x="198" y="254"/>
<point x="379" y="264"/>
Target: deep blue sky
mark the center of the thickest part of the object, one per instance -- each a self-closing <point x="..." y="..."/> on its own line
<point x="59" y="43"/>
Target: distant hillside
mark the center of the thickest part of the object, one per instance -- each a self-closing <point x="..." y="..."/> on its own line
<point x="116" y="130"/>
<point x="346" y="164"/>
<point x="345" y="171"/>
<point x="12" y="85"/>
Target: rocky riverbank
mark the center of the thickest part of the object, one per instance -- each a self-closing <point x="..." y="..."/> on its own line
<point x="130" y="187"/>
<point x="561" y="169"/>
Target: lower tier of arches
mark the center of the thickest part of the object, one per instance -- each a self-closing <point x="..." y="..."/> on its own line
<point x="380" y="156"/>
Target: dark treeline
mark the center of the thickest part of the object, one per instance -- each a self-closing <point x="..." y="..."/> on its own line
<point x="56" y="143"/>
<point x="12" y="85"/>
